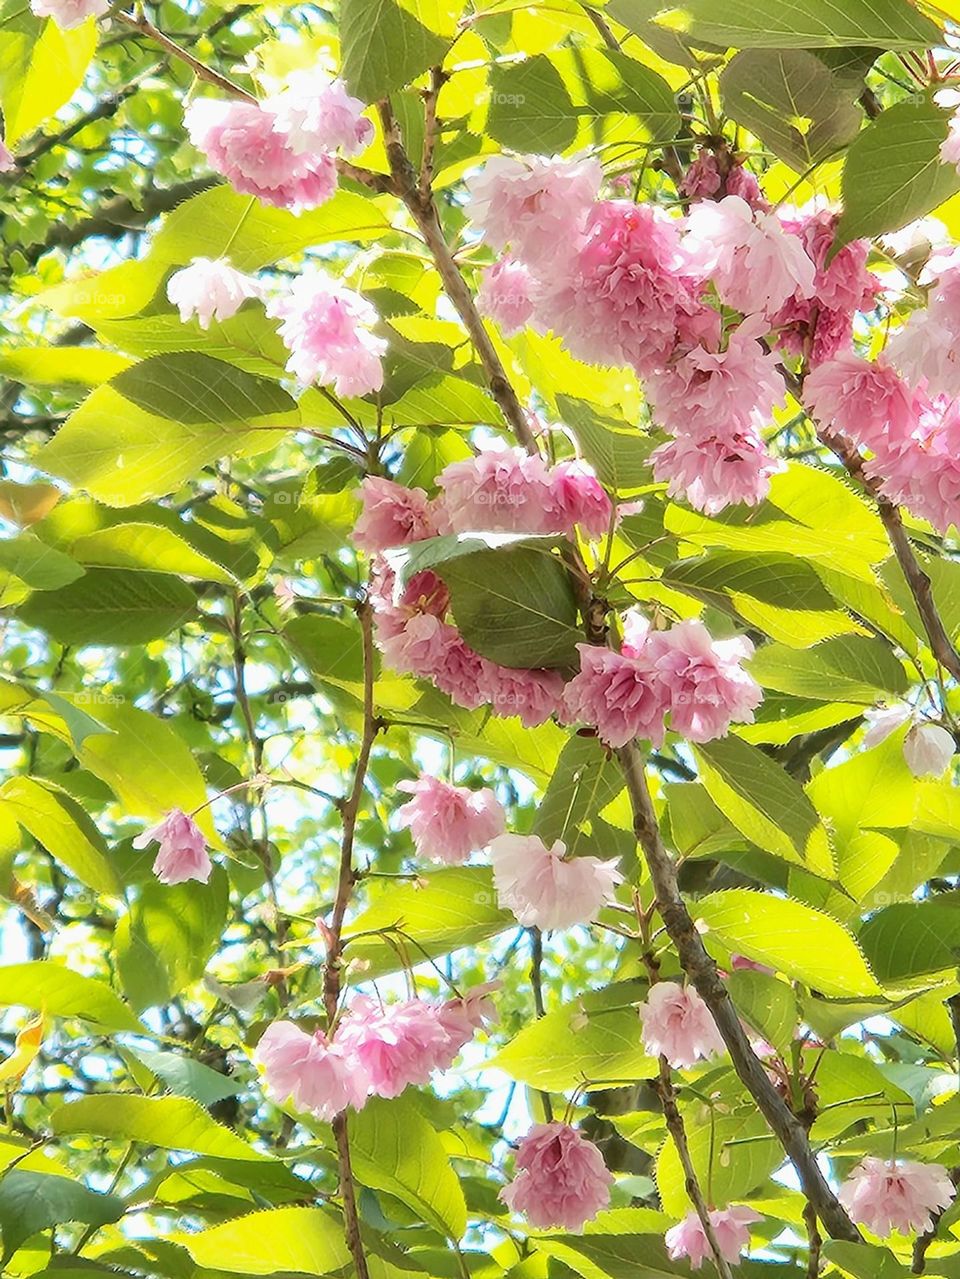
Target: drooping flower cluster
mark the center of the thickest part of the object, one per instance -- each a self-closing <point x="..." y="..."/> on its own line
<point x="375" y="1050"/>
<point x="69" y="13"/>
<point x="731" y="1229"/>
<point x="544" y="887"/>
<point x="182" y="854"/>
<point x="561" y="1179"/>
<point x="449" y="822"/>
<point x="328" y="330"/>
<point x="677" y="1024"/>
<point x="499" y="489"/>
<point x="283" y="151"/>
<point x="681" y="673"/>
<point x="210" y="290"/>
<point x="896" y="1194"/>
<point x="707" y="179"/>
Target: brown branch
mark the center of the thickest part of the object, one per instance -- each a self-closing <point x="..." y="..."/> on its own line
<point x="606" y="35"/>
<point x="921" y="588"/>
<point x="346" y="878"/>
<point x="678" y="1135"/>
<point x="423" y="211"/>
<point x="702" y="971"/>
<point x="431" y="129"/>
<point x="814" y="1241"/>
<point x="199" y="69"/>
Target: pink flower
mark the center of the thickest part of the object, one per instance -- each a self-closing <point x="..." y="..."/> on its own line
<point x="210" y="290"/>
<point x="241" y="141"/>
<point x="950" y="150"/>
<point x="561" y="1179"/>
<point x="500" y="489"/>
<point x="706" y="686"/>
<point x="315" y="113"/>
<point x="731" y="1229"/>
<point x="327" y="328"/>
<point x="418" y="648"/>
<point x="393" y="607"/>
<point x="707" y="392"/>
<point x="716" y="471"/>
<point x="842" y="287"/>
<point x="459" y="671"/>
<point x="183" y="849"/>
<point x="617" y="694"/>
<point x="546" y="889"/>
<point x="923" y="472"/>
<point x="704" y="181"/>
<point x="926" y="348"/>
<point x="8" y="162"/>
<point x="896" y="1194"/>
<point x="623" y="296"/>
<point x="533" y="695"/>
<point x="69" y="13"/>
<point x="535" y="203"/>
<point x="505" y="295"/>
<point x="314" y="1073"/>
<point x="881" y="721"/>
<point x="677" y="1025"/>
<point x="754" y="263"/>
<point x="447" y="822"/>
<point x="578" y="499"/>
<point x="393" y="515"/>
<point x="467" y="1013"/>
<point x="396" y="1045"/>
<point x="869" y="402"/>
<point x="928" y="750"/>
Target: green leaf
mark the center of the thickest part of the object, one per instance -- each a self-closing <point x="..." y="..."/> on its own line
<point x="187" y="386"/>
<point x="864" y="1260"/>
<point x="799" y="942"/>
<point x="801" y="24"/>
<point x="792" y="102"/>
<point x="874" y="788"/>
<point x="595" y="1038"/>
<point x="893" y="172"/>
<point x="620" y="456"/>
<point x="768" y="1004"/>
<point x="149" y="548"/>
<point x="910" y="940"/>
<point x="553" y="101"/>
<point x="446" y="910"/>
<point x="764" y="803"/>
<point x="61" y="992"/>
<point x="628" y="1256"/>
<point x="63" y="827"/>
<point x="30" y="562"/>
<point x="394" y="1149"/>
<point x="849" y="668"/>
<point x="515" y="606"/>
<point x="781" y="594"/>
<point x="384" y="46"/>
<point x="172" y="1123"/>
<point x="165" y="940"/>
<point x="305" y="1241"/>
<point x="33" y="1201"/>
<point x="112" y="606"/>
<point x="61" y="365"/>
<point x="587" y="778"/>
<point x="41" y="67"/>
<point x="188" y="1078"/>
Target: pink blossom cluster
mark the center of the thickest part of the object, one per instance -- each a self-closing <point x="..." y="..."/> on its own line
<point x="560" y="1179"/>
<point x="450" y="822"/>
<point x="328" y="330"/>
<point x="547" y="888"/>
<point x="913" y="436"/>
<point x="375" y="1050"/>
<point x="731" y="1229"/>
<point x="678" y="1025"/>
<point x="896" y="1194"/>
<point x="210" y="290"/>
<point x="682" y="674"/>
<point x="69" y="13"/>
<point x="282" y="151"/>
<point x="639" y="287"/>
<point x="182" y="854"/>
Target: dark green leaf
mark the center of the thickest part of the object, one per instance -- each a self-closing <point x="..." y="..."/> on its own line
<point x="32" y="1201"/>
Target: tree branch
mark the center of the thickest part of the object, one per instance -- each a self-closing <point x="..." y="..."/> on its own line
<point x="346" y="879"/>
<point x="702" y="971"/>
